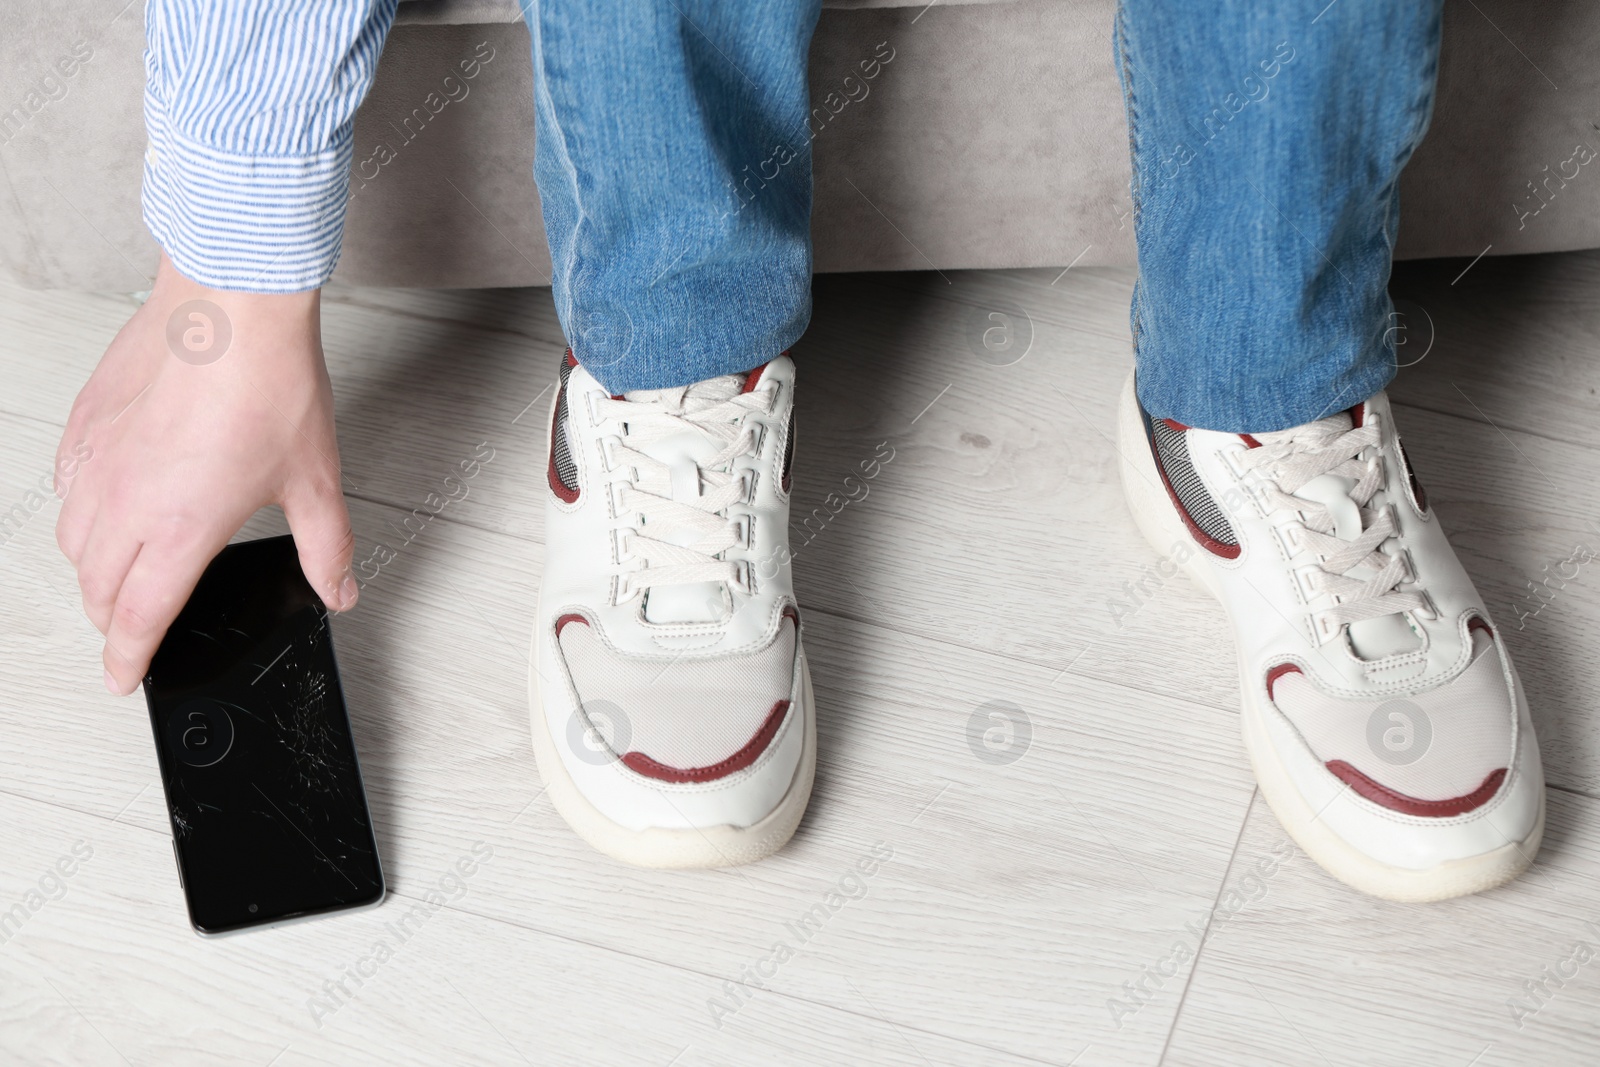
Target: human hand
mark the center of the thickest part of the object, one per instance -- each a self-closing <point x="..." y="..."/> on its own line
<point x="187" y="426"/>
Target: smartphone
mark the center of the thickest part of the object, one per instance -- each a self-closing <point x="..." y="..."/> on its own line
<point x="269" y="815"/>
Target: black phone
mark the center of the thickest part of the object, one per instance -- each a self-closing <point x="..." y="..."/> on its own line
<point x="269" y="814"/>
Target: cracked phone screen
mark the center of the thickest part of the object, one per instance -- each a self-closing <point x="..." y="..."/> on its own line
<point x="269" y="816"/>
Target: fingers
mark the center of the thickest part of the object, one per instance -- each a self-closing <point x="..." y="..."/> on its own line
<point x="76" y="520"/>
<point x="70" y="459"/>
<point x="73" y="527"/>
<point x="321" y="527"/>
<point x="157" y="586"/>
<point x="106" y="558"/>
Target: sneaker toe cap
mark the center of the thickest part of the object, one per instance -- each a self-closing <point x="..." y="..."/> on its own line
<point x="1442" y="753"/>
<point x="685" y="720"/>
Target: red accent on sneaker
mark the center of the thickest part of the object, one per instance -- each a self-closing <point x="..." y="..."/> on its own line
<point x="755" y="375"/>
<point x="564" y="619"/>
<point x="1175" y="424"/>
<point x="1358" y="415"/>
<point x="1477" y="623"/>
<point x="751" y="380"/>
<point x="1275" y="673"/>
<point x="791" y="612"/>
<point x="1440" y="809"/>
<point x="569" y="496"/>
<point x="639" y="763"/>
<point x="1250" y="442"/>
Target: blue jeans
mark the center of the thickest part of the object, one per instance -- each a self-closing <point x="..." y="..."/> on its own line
<point x="1267" y="145"/>
<point x="674" y="165"/>
<point x="674" y="169"/>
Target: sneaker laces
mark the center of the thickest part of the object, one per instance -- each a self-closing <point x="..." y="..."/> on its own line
<point x="1285" y="462"/>
<point x="680" y="526"/>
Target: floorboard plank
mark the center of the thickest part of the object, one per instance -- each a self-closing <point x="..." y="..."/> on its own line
<point x="1299" y="970"/>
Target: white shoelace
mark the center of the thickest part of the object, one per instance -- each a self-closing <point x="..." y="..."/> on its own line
<point x="1285" y="462"/>
<point x="676" y="538"/>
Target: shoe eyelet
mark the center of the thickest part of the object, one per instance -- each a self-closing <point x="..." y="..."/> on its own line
<point x="744" y="577"/>
<point x="1404" y="556"/>
<point x="607" y="446"/>
<point x="1305" y="582"/>
<point x="619" y="544"/>
<point x="744" y="522"/>
<point x="1257" y="486"/>
<point x="1291" y="538"/>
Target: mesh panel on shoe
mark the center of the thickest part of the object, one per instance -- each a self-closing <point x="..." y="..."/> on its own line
<point x="560" y="449"/>
<point x="1172" y="450"/>
<point x="1433" y="746"/>
<point x="685" y="713"/>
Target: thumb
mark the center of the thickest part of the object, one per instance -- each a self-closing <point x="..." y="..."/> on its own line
<point x="321" y="527"/>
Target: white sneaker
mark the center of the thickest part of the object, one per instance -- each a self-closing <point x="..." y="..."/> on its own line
<point x="672" y="712"/>
<point x="1383" y="717"/>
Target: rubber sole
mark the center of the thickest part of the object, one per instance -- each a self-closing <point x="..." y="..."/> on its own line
<point x="1445" y="881"/>
<point x="1162" y="528"/>
<point x="672" y="848"/>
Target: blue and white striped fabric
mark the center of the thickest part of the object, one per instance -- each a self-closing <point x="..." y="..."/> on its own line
<point x="249" y="106"/>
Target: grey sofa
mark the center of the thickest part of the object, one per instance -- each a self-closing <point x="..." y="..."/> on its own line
<point x="993" y="138"/>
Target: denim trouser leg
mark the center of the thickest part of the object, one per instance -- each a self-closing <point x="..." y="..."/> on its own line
<point x="674" y="167"/>
<point x="1267" y="141"/>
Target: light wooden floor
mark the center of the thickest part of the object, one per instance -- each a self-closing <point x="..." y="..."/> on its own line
<point x="1021" y="899"/>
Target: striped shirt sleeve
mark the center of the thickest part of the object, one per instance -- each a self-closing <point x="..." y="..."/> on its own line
<point x="248" y="108"/>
